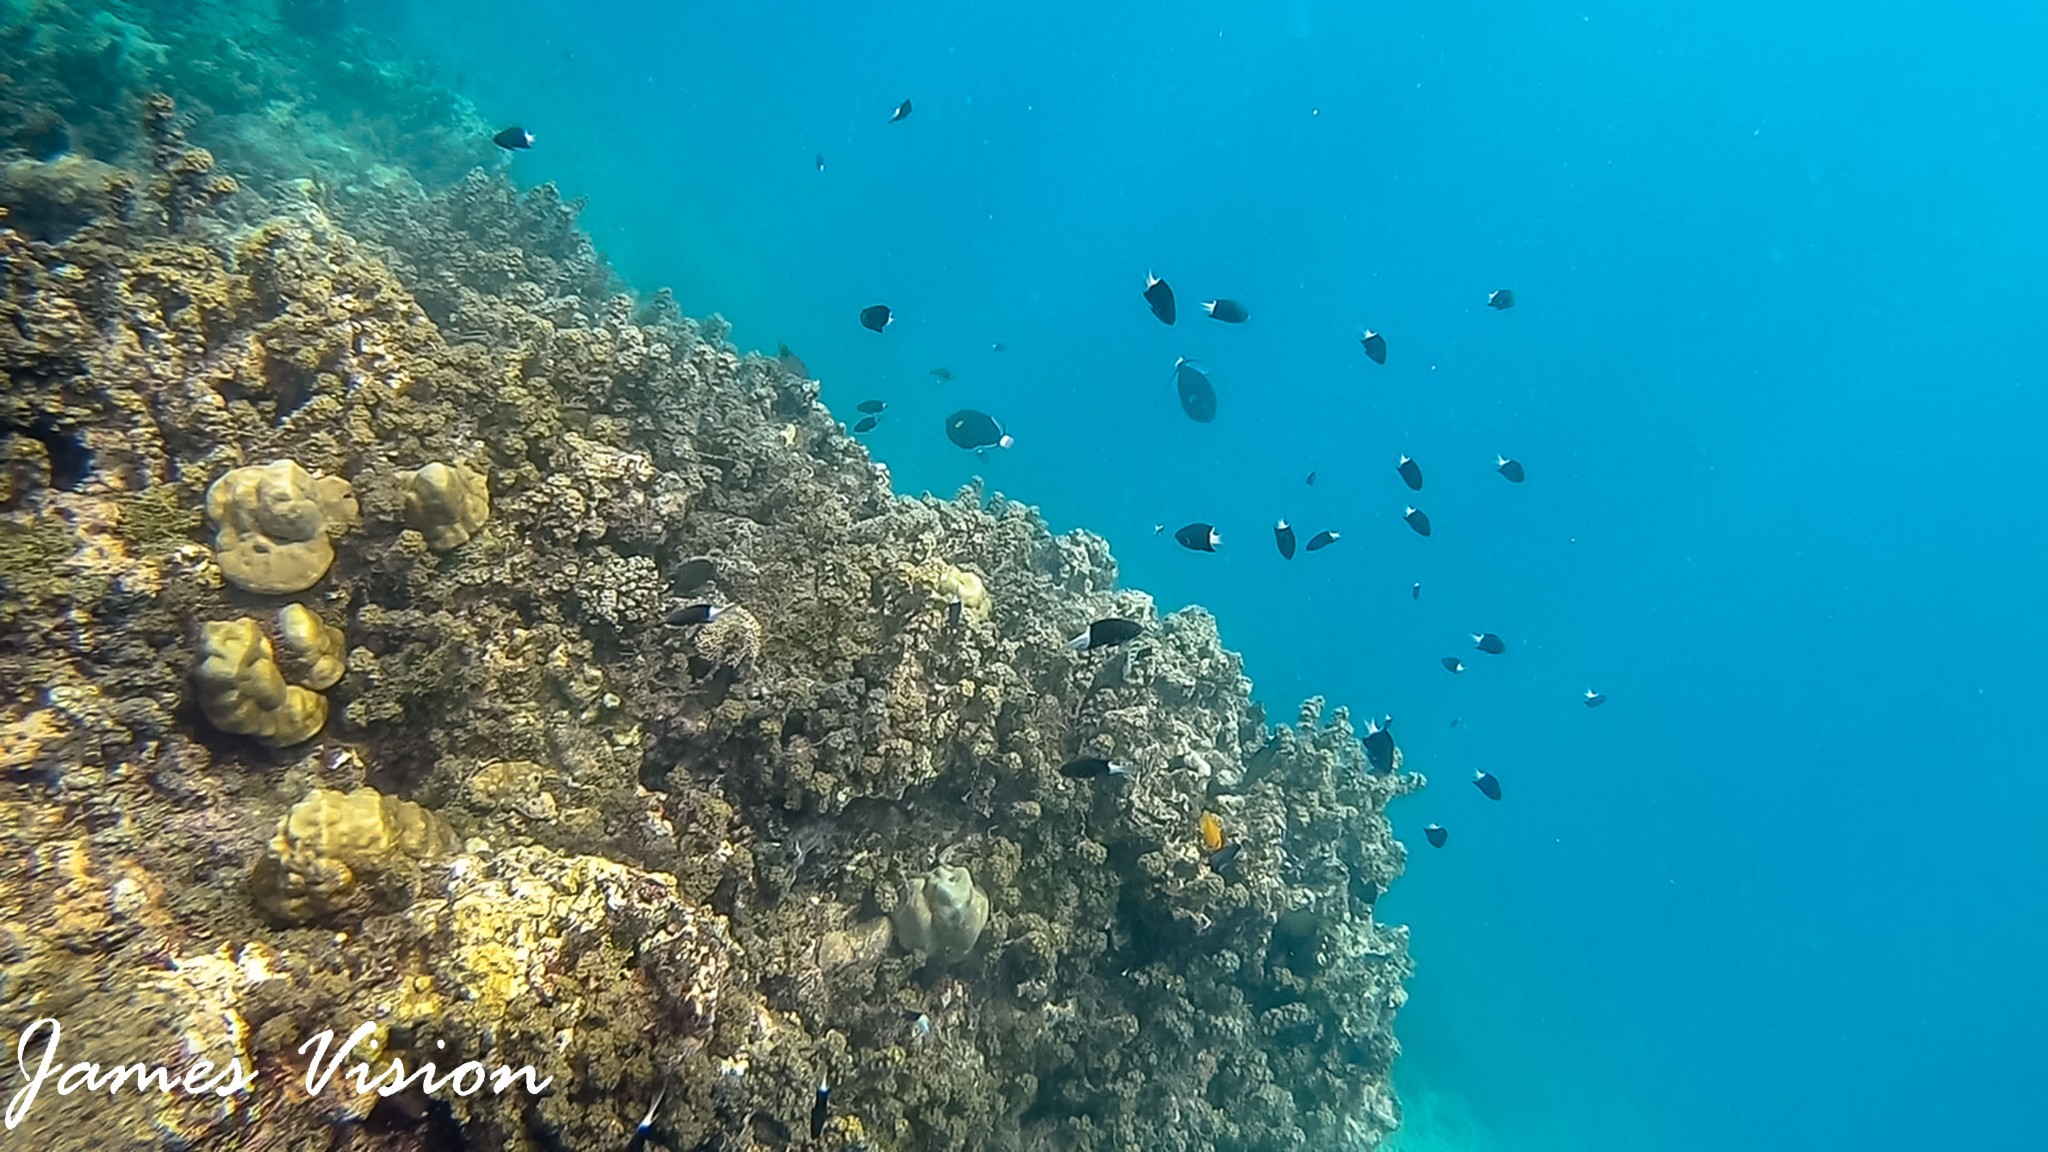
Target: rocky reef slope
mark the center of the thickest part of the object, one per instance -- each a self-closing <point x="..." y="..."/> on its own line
<point x="340" y="525"/>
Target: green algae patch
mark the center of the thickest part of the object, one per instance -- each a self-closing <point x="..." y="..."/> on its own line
<point x="158" y="520"/>
<point x="32" y="557"/>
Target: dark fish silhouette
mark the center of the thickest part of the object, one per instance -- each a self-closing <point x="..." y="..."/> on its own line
<point x="514" y="139"/>
<point x="1379" y="745"/>
<point x="1416" y="520"/>
<point x="1488" y="643"/>
<point x="645" y="1131"/>
<point x="821" y="161"/>
<point x="1221" y="859"/>
<point x="1106" y="633"/>
<point x="902" y="110"/>
<point x="1375" y="346"/>
<point x="954" y="607"/>
<point x="867" y="424"/>
<point x="1512" y="469"/>
<point x="792" y="363"/>
<point x="945" y="374"/>
<point x="1415" y="590"/>
<point x="1197" y="395"/>
<point x="1228" y="311"/>
<point x="694" y="614"/>
<point x="1500" y="299"/>
<point x="1411" y="473"/>
<point x="1284" y="537"/>
<point x="1321" y="540"/>
<point x="1311" y="481"/>
<point x="1092" y="767"/>
<point x="1487" y="785"/>
<point x="876" y="317"/>
<point x="976" y="430"/>
<point x="999" y="346"/>
<point x="1436" y="835"/>
<point x="821" y="1108"/>
<point x="872" y="407"/>
<point x="1199" y="536"/>
<point x="1160" y="296"/>
<point x="1595" y="699"/>
<point x="1453" y="665"/>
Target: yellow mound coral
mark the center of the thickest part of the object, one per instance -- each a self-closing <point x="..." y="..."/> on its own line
<point x="446" y="504"/>
<point x="272" y="523"/>
<point x="242" y="690"/>
<point x="942" y="913"/>
<point x="333" y="847"/>
<point x="310" y="651"/>
<point x="967" y="588"/>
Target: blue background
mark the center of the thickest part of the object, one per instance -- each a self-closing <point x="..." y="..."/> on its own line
<point x="1776" y="373"/>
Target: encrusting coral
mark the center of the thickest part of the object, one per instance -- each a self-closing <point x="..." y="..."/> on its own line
<point x="272" y="524"/>
<point x="690" y="862"/>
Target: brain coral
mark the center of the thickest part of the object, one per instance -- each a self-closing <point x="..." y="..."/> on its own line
<point x="271" y="525"/>
<point x="334" y="846"/>
<point x="242" y="690"/>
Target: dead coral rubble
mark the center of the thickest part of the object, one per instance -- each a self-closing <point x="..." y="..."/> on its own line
<point x="541" y="825"/>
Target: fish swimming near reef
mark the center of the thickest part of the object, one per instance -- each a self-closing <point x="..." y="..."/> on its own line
<point x="1452" y="664"/>
<point x="1211" y="828"/>
<point x="1283" y="537"/>
<point x="1436" y="835"/>
<point x="1512" y="469"/>
<point x="1322" y="540"/>
<point x="1489" y="643"/>
<point x="1311" y="481"/>
<point x="1106" y="633"/>
<point x="1415" y="590"/>
<point x="1411" y="473"/>
<point x="974" y="430"/>
<point x="514" y="139"/>
<point x="1375" y="346"/>
<point x="821" y="1106"/>
<point x="876" y="317"/>
<point x="792" y="363"/>
<point x="1500" y="299"/>
<point x="1594" y="699"/>
<point x="1417" y="520"/>
<point x="1228" y="311"/>
<point x="693" y="614"/>
<point x="645" y="1132"/>
<point x="872" y="407"/>
<point x="821" y="161"/>
<point x="1379" y="745"/>
<point x="902" y="111"/>
<point x="1223" y="858"/>
<point x="1199" y="537"/>
<point x="1197" y="395"/>
<point x="1487" y="784"/>
<point x="1159" y="295"/>
<point x="866" y="424"/>
<point x="944" y="374"/>
<point x="1093" y="768"/>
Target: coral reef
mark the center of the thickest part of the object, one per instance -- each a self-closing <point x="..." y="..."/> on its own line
<point x="468" y="787"/>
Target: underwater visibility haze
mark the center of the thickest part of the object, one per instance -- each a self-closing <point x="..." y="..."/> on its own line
<point x="872" y="715"/>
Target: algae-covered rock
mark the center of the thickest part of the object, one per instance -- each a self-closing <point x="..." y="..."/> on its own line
<point x="272" y="524"/>
<point x="334" y="849"/>
<point x="309" y="650"/>
<point x="446" y="503"/>
<point x="242" y="690"/>
<point x="942" y="913"/>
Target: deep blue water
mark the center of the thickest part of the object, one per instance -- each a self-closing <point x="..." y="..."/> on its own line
<point x="1776" y="374"/>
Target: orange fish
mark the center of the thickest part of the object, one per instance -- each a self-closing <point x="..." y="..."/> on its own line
<point x="1212" y="832"/>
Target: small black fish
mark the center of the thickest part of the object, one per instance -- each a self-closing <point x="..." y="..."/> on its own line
<point x="1411" y="473"/>
<point x="1379" y="745"/>
<point x="1322" y="540"/>
<point x="1199" y="536"/>
<point x="1415" y="590"/>
<point x="1436" y="835"/>
<point x="999" y="346"/>
<point x="694" y="614"/>
<point x="792" y="364"/>
<point x="1453" y="665"/>
<point x="1595" y="699"/>
<point x="1284" y="537"/>
<point x="1160" y="296"/>
<point x="1091" y="767"/>
<point x="1500" y="299"/>
<point x="1197" y="395"/>
<point x="1221" y="859"/>
<point x="1417" y="521"/>
<point x="1487" y="785"/>
<point x="821" y="161"/>
<point x="1375" y="346"/>
<point x="1157" y="529"/>
<point x="902" y="110"/>
<point x="872" y="407"/>
<point x="821" y="1108"/>
<point x="944" y="374"/>
<point x="1311" y="481"/>
<point x="975" y="430"/>
<point x="1107" y="632"/>
<point x="645" y="1132"/>
<point x="867" y="423"/>
<point x="1488" y="643"/>
<point x="1512" y="469"/>
<point x="514" y="139"/>
<point x="1228" y="311"/>
<point x="876" y="317"/>
<point x="954" y="608"/>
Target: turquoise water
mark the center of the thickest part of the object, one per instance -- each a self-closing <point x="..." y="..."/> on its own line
<point x="1773" y="372"/>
